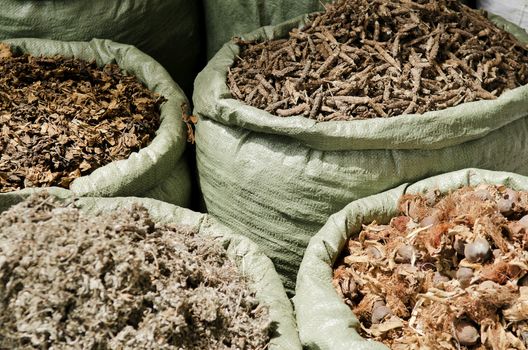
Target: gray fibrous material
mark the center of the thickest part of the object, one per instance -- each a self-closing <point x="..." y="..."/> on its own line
<point x="119" y="279"/>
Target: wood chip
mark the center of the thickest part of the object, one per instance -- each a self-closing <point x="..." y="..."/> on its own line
<point x="63" y="118"/>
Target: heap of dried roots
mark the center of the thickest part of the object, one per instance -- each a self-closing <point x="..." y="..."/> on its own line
<point x="450" y="273"/>
<point x="382" y="58"/>
<point x="69" y="280"/>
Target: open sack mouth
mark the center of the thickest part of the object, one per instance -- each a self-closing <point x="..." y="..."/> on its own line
<point x="450" y="271"/>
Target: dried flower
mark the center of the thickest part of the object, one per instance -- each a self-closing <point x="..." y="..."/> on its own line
<point x="62" y="118"/>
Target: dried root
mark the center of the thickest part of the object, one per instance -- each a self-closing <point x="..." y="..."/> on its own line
<point x="367" y="59"/>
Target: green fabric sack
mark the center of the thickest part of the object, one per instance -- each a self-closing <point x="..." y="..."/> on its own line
<point x="228" y="18"/>
<point x="278" y="179"/>
<point x="166" y="30"/>
<point x="325" y="322"/>
<point x="159" y="170"/>
<point x="250" y="260"/>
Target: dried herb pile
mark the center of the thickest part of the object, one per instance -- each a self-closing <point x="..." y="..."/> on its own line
<point x="380" y="58"/>
<point x="71" y="280"/>
<point x="450" y="273"/>
<point x="62" y="118"/>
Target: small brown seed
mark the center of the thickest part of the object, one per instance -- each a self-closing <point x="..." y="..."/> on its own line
<point x="439" y="278"/>
<point x="479" y="251"/>
<point x="466" y="333"/>
<point x="405" y="254"/>
<point x="373" y="252"/>
<point x="464" y="276"/>
<point x="379" y="313"/>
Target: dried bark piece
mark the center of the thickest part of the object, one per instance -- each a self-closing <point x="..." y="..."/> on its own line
<point x="63" y="118"/>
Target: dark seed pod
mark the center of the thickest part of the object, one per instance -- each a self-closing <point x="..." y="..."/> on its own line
<point x="379" y="313"/>
<point x="466" y="332"/>
<point x="479" y="251"/>
<point x="464" y="276"/>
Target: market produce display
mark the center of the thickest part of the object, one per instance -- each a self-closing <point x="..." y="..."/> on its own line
<point x="290" y="173"/>
<point x="120" y="129"/>
<point x="366" y="163"/>
<point x="366" y="59"/>
<point x="63" y="118"/>
<point x="118" y="279"/>
<point x="437" y="264"/>
<point x="450" y="271"/>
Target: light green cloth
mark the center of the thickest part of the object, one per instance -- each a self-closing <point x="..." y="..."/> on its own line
<point x="250" y="260"/>
<point x="277" y="180"/>
<point x="225" y="19"/>
<point x="325" y="321"/>
<point x="158" y="170"/>
<point x="166" y="30"/>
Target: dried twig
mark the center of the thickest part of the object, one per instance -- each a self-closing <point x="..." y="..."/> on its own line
<point x="422" y="49"/>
